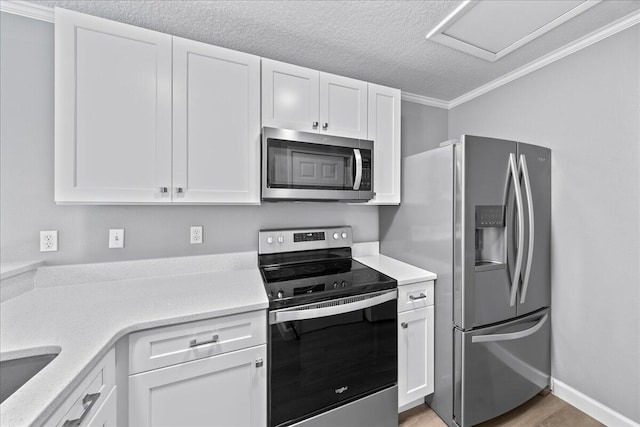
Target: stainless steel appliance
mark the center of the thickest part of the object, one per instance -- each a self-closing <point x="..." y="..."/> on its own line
<point x="309" y="166"/>
<point x="332" y="332"/>
<point x="477" y="213"/>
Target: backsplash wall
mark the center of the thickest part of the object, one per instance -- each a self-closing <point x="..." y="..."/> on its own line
<point x="27" y="171"/>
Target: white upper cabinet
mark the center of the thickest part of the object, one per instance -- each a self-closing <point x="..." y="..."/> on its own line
<point x="216" y="124"/>
<point x="290" y="96"/>
<point x="343" y="106"/>
<point x="308" y="100"/>
<point x="122" y="136"/>
<point x="384" y="130"/>
<point x="113" y="111"/>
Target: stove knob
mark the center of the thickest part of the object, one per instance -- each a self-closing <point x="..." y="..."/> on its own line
<point x="343" y="284"/>
<point x="344" y="235"/>
<point x="335" y="236"/>
<point x="280" y="239"/>
<point x="280" y="294"/>
<point x="270" y="295"/>
<point x="270" y="240"/>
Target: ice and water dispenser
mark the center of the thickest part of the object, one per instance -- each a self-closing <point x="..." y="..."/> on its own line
<point x="490" y="237"/>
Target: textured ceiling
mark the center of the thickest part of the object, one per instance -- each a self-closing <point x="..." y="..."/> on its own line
<point x="378" y="41"/>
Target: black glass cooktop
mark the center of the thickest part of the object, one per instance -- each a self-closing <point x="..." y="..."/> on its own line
<point x="326" y="276"/>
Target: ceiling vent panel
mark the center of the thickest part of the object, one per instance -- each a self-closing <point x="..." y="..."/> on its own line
<point x="491" y="29"/>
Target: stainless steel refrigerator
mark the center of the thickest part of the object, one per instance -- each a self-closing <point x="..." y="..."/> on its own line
<point x="478" y="212"/>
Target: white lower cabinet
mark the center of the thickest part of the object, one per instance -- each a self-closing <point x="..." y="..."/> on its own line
<point x="225" y="390"/>
<point x="415" y="347"/>
<point x="107" y="415"/>
<point x="93" y="402"/>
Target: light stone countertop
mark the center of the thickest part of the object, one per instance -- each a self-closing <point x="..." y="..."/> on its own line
<point x="404" y="273"/>
<point x="83" y="321"/>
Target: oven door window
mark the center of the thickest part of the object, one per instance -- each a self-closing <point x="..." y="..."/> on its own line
<point x="309" y="166"/>
<point x="318" y="364"/>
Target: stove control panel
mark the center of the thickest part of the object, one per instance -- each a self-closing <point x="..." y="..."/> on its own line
<point x="291" y="240"/>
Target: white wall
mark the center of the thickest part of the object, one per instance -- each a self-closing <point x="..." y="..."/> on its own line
<point x="586" y="108"/>
<point x="26" y="182"/>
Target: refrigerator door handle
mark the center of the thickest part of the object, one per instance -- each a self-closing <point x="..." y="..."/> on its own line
<point x="513" y="168"/>
<point x="512" y="335"/>
<point x="527" y="185"/>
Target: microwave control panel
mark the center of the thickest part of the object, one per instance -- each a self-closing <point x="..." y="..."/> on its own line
<point x="365" y="182"/>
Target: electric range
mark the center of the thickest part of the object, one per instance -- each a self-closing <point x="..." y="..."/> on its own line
<point x="332" y="331"/>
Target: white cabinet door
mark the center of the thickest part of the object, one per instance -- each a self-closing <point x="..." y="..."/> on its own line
<point x="415" y="354"/>
<point x="112" y="111"/>
<point x="224" y="391"/>
<point x="384" y="130"/>
<point x="216" y="133"/>
<point x="343" y="106"/>
<point x="289" y="96"/>
<point x="107" y="415"/>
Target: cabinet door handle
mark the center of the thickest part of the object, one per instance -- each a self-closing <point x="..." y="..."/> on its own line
<point x="164" y="190"/>
<point x="195" y="343"/>
<point x="325" y="126"/>
<point x="421" y="296"/>
<point x="405" y="325"/>
<point x="259" y="362"/>
<point x="179" y="190"/>
<point x="87" y="402"/>
<point x="315" y="125"/>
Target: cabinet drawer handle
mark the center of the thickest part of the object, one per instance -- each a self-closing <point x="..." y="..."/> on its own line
<point x="405" y="325"/>
<point x="315" y="125"/>
<point x="195" y="343"/>
<point x="87" y="402"/>
<point x="325" y="126"/>
<point x="421" y="296"/>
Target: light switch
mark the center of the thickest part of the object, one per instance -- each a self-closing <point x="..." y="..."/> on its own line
<point x="116" y="238"/>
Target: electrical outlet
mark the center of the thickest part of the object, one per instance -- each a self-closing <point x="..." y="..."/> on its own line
<point x="116" y="238"/>
<point x="196" y="234"/>
<point x="49" y="241"/>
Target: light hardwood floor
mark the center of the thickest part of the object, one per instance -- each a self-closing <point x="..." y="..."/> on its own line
<point x="541" y="411"/>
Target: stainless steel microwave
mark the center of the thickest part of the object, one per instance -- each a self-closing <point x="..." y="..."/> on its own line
<point x="314" y="167"/>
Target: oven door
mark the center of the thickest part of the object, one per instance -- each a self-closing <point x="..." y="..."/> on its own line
<point x="306" y="166"/>
<point x="330" y="353"/>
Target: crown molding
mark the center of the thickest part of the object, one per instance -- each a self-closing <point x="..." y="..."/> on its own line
<point x="583" y="42"/>
<point x="425" y="100"/>
<point x="43" y="13"/>
<point x="28" y="10"/>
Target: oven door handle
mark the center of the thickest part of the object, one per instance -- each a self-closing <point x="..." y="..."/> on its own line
<point x="330" y="308"/>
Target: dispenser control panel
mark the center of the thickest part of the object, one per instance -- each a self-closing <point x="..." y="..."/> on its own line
<point x="490" y="216"/>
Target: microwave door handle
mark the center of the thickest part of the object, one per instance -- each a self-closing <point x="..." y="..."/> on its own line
<point x="358" y="177"/>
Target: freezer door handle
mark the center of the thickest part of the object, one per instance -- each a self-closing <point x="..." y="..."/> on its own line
<point x="513" y="175"/>
<point x="522" y="166"/>
<point x="512" y="335"/>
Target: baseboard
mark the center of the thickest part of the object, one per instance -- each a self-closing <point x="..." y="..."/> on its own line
<point x="410" y="405"/>
<point x="590" y="406"/>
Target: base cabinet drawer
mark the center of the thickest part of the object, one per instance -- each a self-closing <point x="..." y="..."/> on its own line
<point x="415" y="355"/>
<point x="415" y="295"/>
<point x="224" y="391"/>
<point x="84" y="402"/>
<point x="170" y="345"/>
<point x="107" y="415"/>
